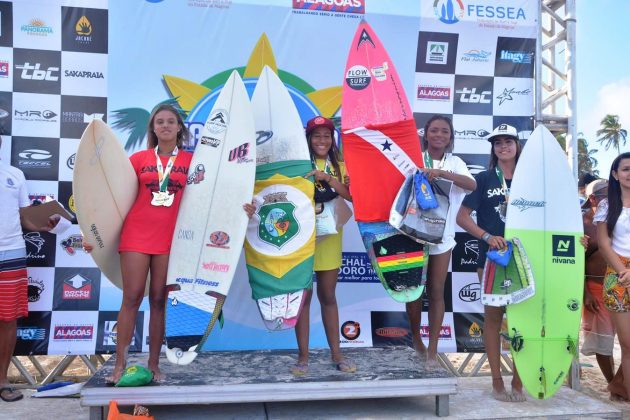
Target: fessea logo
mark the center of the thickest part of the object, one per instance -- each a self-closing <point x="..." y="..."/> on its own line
<point x="341" y="6"/>
<point x="452" y="11"/>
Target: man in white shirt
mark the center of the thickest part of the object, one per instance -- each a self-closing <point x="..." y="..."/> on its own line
<point x="13" y="275"/>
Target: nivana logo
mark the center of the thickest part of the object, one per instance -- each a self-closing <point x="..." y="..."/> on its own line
<point x="523" y="204"/>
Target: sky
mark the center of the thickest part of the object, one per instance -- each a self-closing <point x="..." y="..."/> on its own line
<point x="603" y="71"/>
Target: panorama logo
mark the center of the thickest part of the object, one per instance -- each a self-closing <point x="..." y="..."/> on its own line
<point x="197" y="100"/>
<point x="37" y="27"/>
<point x="449" y="11"/>
<point x="337" y="6"/>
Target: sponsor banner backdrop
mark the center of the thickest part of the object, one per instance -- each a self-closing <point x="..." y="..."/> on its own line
<point x="488" y="49"/>
<point x="62" y="65"/>
<point x="53" y="81"/>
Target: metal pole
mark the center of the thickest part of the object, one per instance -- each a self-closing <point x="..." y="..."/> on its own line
<point x="538" y="71"/>
<point x="571" y="144"/>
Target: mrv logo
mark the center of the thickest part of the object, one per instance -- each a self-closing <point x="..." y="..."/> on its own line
<point x="563" y="249"/>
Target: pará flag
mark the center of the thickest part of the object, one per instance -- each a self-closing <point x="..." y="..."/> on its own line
<point x="378" y="158"/>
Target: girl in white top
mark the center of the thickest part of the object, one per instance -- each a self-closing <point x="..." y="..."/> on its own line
<point x="437" y="144"/>
<point x="613" y="233"/>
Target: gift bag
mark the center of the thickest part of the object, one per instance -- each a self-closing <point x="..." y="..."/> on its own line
<point x="325" y="223"/>
<point x="343" y="212"/>
<point x="423" y="225"/>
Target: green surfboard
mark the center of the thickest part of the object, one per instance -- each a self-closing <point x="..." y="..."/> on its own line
<point x="544" y="213"/>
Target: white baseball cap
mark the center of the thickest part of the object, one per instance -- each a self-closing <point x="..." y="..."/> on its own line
<point x="503" y="130"/>
<point x="595" y="186"/>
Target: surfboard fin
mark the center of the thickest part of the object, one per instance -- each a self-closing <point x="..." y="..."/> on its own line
<point x="516" y="340"/>
<point x="572" y="347"/>
<point x="221" y="319"/>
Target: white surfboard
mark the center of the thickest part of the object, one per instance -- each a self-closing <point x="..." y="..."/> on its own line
<point x="104" y="187"/>
<point x="281" y="234"/>
<point x="211" y="222"/>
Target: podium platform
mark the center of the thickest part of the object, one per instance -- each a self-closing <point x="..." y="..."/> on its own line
<point x="264" y="376"/>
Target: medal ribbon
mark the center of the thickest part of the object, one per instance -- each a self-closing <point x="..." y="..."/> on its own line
<point x="503" y="183"/>
<point x="428" y="161"/>
<point x="163" y="174"/>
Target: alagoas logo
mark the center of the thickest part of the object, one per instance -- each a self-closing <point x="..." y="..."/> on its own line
<point x="434" y="93"/>
<point x="73" y="332"/>
<point x="277" y="219"/>
<point x="339" y="6"/>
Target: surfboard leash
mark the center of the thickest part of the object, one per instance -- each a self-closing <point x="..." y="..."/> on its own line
<point x="516" y="340"/>
<point x="218" y="309"/>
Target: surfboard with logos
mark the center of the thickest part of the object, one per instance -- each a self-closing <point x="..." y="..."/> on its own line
<point x="280" y="240"/>
<point x="381" y="148"/>
<point x="211" y="223"/>
<point x="104" y="186"/>
<point x="544" y="213"/>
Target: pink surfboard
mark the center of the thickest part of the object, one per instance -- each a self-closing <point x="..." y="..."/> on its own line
<point x="381" y="148"/>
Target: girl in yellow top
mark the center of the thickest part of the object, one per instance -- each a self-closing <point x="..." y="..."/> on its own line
<point x="330" y="178"/>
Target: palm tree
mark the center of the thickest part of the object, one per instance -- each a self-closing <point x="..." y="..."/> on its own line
<point x="586" y="157"/>
<point x="611" y="133"/>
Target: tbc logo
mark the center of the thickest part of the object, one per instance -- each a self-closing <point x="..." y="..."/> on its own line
<point x="563" y="246"/>
<point x="472" y="97"/>
<point x="37" y="74"/>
